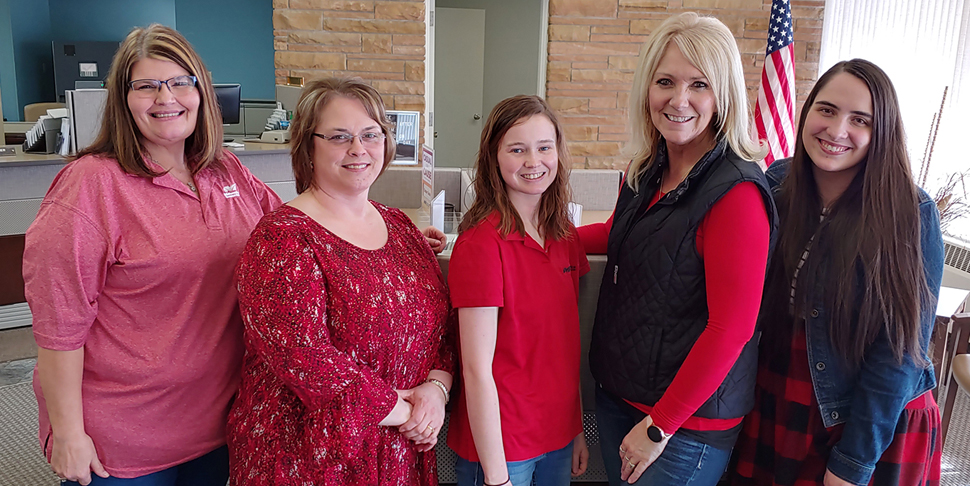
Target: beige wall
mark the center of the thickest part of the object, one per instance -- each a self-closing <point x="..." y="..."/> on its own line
<point x="382" y="42"/>
<point x="593" y="47"/>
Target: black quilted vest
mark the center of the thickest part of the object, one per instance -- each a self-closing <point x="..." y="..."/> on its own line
<point x="653" y="300"/>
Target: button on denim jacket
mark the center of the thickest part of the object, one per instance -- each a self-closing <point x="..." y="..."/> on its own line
<point x="869" y="399"/>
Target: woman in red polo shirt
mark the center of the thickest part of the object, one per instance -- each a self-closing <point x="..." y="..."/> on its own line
<point x="514" y="278"/>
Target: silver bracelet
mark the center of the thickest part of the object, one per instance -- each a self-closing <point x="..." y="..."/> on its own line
<point x="441" y="386"/>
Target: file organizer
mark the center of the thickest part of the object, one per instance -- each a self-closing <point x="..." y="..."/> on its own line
<point x="42" y="138"/>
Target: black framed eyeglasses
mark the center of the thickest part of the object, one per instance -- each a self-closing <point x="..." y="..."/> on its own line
<point x="150" y="87"/>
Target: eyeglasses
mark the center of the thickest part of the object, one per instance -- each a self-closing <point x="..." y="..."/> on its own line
<point x="369" y="139"/>
<point x="148" y="88"/>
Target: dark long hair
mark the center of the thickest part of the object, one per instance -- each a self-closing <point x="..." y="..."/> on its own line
<point x="490" y="191"/>
<point x="870" y="238"/>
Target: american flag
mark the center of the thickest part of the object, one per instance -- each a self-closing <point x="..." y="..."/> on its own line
<point x="775" y="112"/>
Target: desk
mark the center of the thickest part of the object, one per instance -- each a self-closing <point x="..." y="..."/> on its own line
<point x="952" y="301"/>
<point x="23" y="159"/>
<point x="949" y="339"/>
<point x="14" y="133"/>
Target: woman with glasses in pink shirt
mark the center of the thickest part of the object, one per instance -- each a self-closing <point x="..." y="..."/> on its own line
<point x="129" y="276"/>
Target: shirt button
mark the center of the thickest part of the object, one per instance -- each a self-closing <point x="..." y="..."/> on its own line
<point x="814" y="312"/>
<point x="820" y="366"/>
<point x="835" y="415"/>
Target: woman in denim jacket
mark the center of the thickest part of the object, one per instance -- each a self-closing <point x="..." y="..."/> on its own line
<point x="844" y="375"/>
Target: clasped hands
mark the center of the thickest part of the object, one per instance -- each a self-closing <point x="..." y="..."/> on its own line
<point x="427" y="415"/>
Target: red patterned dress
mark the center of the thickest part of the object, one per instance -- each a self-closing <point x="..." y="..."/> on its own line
<point x="331" y="330"/>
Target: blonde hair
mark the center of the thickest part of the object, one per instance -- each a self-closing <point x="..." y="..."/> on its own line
<point x="119" y="137"/>
<point x="316" y="96"/>
<point x="709" y="45"/>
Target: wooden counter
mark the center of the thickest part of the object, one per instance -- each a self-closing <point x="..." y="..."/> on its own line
<point x="249" y="148"/>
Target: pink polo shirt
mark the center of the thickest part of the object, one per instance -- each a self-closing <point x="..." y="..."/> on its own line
<point x="139" y="272"/>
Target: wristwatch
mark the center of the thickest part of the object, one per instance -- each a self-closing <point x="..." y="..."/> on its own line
<point x="656" y="434"/>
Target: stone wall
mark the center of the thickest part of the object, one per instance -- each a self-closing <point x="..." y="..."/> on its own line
<point x="593" y="52"/>
<point x="593" y="47"/>
<point x="380" y="41"/>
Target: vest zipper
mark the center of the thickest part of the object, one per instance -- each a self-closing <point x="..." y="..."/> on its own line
<point x="616" y="270"/>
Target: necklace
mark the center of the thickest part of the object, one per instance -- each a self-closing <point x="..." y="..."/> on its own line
<point x="190" y="183"/>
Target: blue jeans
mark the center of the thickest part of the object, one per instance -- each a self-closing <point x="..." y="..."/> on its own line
<point x="684" y="461"/>
<point x="211" y="469"/>
<point x="549" y="469"/>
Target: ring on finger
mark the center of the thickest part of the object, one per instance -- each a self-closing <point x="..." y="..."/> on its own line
<point x="431" y="428"/>
<point x="632" y="465"/>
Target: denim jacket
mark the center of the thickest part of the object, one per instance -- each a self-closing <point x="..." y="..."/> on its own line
<point x="869" y="399"/>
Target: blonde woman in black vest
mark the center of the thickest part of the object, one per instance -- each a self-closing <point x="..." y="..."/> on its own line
<point x="674" y="350"/>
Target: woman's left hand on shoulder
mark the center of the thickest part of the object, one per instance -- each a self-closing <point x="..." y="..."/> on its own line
<point x="427" y="415"/>
<point x="638" y="452"/>
<point x="435" y="238"/>
<point x="833" y="480"/>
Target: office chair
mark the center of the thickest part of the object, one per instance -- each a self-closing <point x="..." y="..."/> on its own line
<point x="33" y="111"/>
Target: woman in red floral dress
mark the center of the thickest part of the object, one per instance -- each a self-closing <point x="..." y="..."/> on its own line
<point x="348" y="366"/>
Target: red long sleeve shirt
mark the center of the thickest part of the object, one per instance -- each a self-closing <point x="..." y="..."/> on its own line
<point x="732" y="239"/>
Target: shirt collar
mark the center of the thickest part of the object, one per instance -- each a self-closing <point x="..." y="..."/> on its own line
<point x="495" y="219"/>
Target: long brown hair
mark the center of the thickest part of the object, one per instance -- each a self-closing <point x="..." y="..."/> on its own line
<point x="119" y="137"/>
<point x="315" y="97"/>
<point x="870" y="237"/>
<point x="490" y="191"/>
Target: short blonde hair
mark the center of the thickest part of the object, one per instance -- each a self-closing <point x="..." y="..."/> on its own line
<point x="119" y="137"/>
<point x="316" y="95"/>
<point x="709" y="45"/>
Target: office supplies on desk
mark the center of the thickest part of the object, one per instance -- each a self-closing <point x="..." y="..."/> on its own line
<point x="42" y="137"/>
<point x="278" y="120"/>
<point x="57" y="112"/>
<point x="275" y="136"/>
<point x="63" y="144"/>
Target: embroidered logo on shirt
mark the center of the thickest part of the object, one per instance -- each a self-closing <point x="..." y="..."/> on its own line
<point x="571" y="268"/>
<point x="230" y="191"/>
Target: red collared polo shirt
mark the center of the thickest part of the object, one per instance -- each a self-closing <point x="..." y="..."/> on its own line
<point x="537" y="351"/>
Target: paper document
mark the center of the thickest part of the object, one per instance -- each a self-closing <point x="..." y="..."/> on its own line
<point x="438" y="211"/>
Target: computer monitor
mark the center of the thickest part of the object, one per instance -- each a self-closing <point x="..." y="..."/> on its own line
<point x="228" y="97"/>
